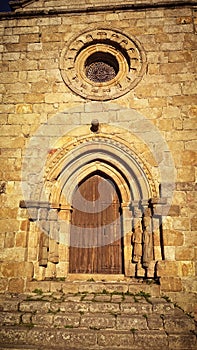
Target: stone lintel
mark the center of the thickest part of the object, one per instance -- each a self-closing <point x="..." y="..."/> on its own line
<point x="34" y="204"/>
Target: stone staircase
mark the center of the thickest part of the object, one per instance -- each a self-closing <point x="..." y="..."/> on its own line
<point x="94" y="315"/>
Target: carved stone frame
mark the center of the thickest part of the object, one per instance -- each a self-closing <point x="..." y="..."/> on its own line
<point x="69" y="163"/>
<point x="126" y="50"/>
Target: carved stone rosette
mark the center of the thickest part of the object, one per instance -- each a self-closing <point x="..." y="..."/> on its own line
<point x="102" y="64"/>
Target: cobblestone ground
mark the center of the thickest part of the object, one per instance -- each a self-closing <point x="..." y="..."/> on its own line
<point x="93" y="320"/>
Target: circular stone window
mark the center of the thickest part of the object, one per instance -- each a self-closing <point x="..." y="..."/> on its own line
<point x="102" y="64"/>
<point x="101" y="67"/>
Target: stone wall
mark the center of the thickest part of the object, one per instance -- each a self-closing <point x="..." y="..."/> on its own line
<point x="32" y="91"/>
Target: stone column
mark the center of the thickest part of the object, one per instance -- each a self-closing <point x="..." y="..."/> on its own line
<point x="137" y="235"/>
<point x="127" y="233"/>
<point x="147" y="238"/>
<point x="137" y="239"/>
<point x="159" y="212"/>
<point x="64" y="217"/>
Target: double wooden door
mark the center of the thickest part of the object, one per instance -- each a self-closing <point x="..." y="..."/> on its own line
<point x="95" y="237"/>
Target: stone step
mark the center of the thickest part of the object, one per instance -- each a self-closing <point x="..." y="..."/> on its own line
<point x="108" y="320"/>
<point x="83" y="339"/>
<point x="126" y="317"/>
<point x="90" y="285"/>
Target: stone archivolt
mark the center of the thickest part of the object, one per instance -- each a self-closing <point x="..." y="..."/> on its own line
<point x="107" y="149"/>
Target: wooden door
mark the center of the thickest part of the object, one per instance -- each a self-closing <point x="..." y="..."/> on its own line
<point x="95" y="238"/>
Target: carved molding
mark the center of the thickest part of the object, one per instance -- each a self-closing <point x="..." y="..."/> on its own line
<point x="114" y="47"/>
<point x="58" y="160"/>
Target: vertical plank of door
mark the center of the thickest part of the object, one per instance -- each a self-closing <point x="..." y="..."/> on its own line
<point x="100" y="255"/>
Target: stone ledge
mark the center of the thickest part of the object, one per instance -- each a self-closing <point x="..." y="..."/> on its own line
<point x="87" y="8"/>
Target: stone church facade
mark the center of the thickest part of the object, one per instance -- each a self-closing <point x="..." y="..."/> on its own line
<point x="98" y="144"/>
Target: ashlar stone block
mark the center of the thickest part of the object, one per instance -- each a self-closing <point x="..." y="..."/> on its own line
<point x="167" y="268"/>
<point x="173" y="284"/>
<point x="129" y="322"/>
<point x="115" y="340"/>
<point x="98" y="321"/>
<point x="16" y="285"/>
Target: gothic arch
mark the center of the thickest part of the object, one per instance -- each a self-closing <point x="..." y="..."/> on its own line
<point x="100" y="153"/>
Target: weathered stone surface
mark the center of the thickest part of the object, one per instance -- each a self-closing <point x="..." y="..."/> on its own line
<point x="8" y="305"/>
<point x="153" y="289"/>
<point x="167" y="268"/>
<point x="187" y="268"/>
<point x="16" y="285"/>
<point x="154" y="321"/>
<point x="44" y="286"/>
<point x="30" y="322"/>
<point x="73" y="307"/>
<point x="104" y="307"/>
<point x="49" y="337"/>
<point x="17" y="269"/>
<point x="116" y="340"/>
<point x="44" y="320"/>
<point x="38" y="306"/>
<point x="66" y="320"/>
<point x="99" y="321"/>
<point x="173" y="238"/>
<point x="182" y="341"/>
<point x="136" y="308"/>
<point x="128" y="322"/>
<point x="176" y="325"/>
<point x="155" y="338"/>
<point x="184" y="253"/>
<point x="163" y="307"/>
<point x="10" y="319"/>
<point x="102" y="298"/>
<point x="171" y="284"/>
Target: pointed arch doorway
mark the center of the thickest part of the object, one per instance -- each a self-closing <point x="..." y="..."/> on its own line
<point x="76" y="185"/>
<point x="96" y="243"/>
